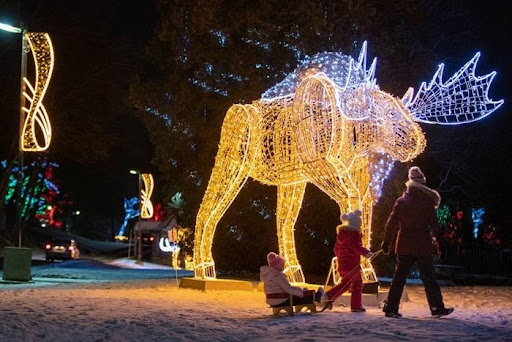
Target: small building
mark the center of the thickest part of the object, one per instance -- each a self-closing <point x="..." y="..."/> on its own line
<point x="149" y="233"/>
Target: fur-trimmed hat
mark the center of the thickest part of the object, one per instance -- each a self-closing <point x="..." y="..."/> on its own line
<point x="353" y="218"/>
<point x="416" y="175"/>
<point x="276" y="261"/>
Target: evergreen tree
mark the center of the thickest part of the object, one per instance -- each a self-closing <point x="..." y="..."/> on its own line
<point x="207" y="55"/>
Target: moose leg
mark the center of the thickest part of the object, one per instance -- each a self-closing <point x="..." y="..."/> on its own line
<point x="368" y="273"/>
<point x="326" y="177"/>
<point x="350" y="190"/>
<point x="360" y="177"/>
<point x="289" y="200"/>
<point x="232" y="165"/>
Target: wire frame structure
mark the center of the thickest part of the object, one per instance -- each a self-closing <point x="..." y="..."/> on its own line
<point x="146" y="210"/>
<point x="37" y="131"/>
<point x="329" y="124"/>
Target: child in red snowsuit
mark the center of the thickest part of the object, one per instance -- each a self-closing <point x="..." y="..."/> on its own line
<point x="348" y="249"/>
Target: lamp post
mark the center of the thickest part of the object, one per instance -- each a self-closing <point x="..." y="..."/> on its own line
<point x="9" y="28"/>
<point x="17" y="261"/>
<point x="19" y="206"/>
<point x="138" y="244"/>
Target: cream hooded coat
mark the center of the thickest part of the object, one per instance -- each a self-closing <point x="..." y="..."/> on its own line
<point x="275" y="281"/>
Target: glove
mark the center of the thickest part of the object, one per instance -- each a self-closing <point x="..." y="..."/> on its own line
<point x="368" y="255"/>
<point x="436" y="246"/>
<point x="385" y="248"/>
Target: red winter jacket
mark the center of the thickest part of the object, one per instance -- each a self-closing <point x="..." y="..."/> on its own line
<point x="349" y="248"/>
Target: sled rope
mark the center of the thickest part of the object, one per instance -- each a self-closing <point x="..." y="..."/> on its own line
<point x="352" y="270"/>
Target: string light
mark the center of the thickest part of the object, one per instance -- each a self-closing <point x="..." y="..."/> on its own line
<point x="463" y="98"/>
<point x="36" y="115"/>
<point x="130" y="211"/>
<point x="476" y="217"/>
<point x="329" y="124"/>
<point x="166" y="246"/>
<point x="172" y="248"/>
<point x="147" y="207"/>
<point x="172" y="244"/>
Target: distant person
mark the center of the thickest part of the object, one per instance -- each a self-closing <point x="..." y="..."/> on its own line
<point x="278" y="289"/>
<point x="349" y="249"/>
<point x="411" y="227"/>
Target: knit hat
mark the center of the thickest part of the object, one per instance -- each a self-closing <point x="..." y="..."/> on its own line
<point x="416" y="175"/>
<point x="353" y="218"/>
<point x="276" y="261"/>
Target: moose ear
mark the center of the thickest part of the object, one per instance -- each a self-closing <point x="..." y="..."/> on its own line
<point x="407" y="98"/>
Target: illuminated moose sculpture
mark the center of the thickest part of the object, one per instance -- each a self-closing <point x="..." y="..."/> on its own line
<point x="329" y="124"/>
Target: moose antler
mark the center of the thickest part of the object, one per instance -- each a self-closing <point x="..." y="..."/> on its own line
<point x="342" y="70"/>
<point x="360" y="66"/>
<point x="461" y="99"/>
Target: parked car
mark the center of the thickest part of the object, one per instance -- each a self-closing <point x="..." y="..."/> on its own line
<point x="62" y="249"/>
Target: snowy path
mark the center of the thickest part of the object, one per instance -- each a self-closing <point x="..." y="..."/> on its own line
<point x="156" y="310"/>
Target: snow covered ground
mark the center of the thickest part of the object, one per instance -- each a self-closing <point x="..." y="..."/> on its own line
<point x="124" y="302"/>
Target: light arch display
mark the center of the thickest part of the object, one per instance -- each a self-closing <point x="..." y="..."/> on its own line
<point x="328" y="123"/>
<point x="36" y="117"/>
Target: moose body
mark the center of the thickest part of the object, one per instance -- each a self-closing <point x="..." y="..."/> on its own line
<point x="328" y="124"/>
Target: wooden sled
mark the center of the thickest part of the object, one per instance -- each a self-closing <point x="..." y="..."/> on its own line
<point x="292" y="309"/>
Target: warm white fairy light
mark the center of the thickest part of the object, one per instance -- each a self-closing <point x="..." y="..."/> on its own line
<point x="173" y="248"/>
<point x="329" y="124"/>
<point x="145" y="196"/>
<point x="36" y="116"/>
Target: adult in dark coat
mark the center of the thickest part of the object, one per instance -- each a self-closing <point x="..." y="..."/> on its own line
<point x="411" y="227"/>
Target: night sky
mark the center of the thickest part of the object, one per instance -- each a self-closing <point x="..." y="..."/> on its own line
<point x="98" y="45"/>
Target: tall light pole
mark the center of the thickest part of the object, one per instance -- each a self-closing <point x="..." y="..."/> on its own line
<point x="33" y="117"/>
<point x="33" y="120"/>
<point x="17" y="261"/>
<point x="19" y="206"/>
<point x="138" y="244"/>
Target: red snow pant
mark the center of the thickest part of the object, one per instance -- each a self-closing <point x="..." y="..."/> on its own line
<point x="350" y="276"/>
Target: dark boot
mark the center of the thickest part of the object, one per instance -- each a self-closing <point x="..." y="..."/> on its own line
<point x="441" y="312"/>
<point x="389" y="312"/>
<point x="318" y="294"/>
<point x="393" y="315"/>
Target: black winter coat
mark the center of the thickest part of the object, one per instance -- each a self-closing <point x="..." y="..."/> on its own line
<point x="413" y="221"/>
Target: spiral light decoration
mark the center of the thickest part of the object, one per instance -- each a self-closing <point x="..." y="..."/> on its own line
<point x="145" y="196"/>
<point x="37" y="131"/>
